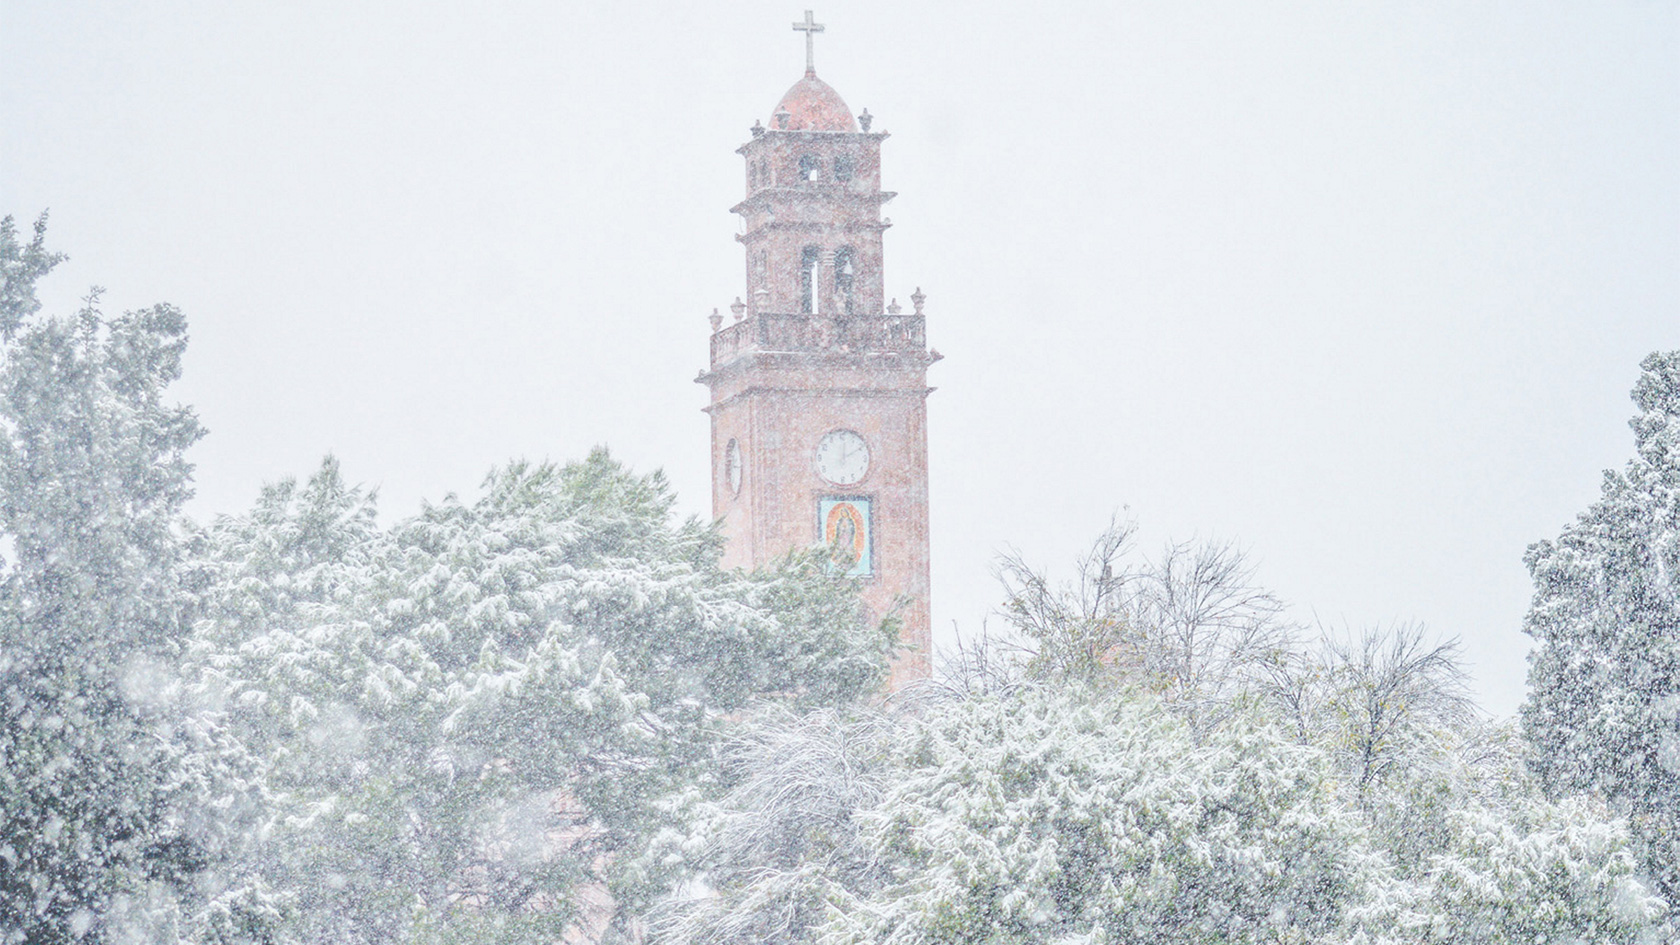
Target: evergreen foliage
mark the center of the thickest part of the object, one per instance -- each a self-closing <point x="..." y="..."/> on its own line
<point x="469" y="720"/>
<point x="95" y="832"/>
<point x="1603" y="712"/>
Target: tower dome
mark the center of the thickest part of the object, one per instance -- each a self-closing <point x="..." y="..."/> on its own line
<point x="813" y="105"/>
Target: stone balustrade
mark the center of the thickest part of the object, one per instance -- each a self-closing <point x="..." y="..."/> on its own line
<point x="799" y="333"/>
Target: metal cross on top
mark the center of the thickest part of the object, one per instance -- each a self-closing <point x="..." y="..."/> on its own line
<point x="810" y="28"/>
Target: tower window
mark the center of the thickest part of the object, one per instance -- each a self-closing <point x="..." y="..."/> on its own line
<point x="843" y="169"/>
<point x="809" y="167"/>
<point x="809" y="261"/>
<point x="844" y="279"/>
<point x="764" y="171"/>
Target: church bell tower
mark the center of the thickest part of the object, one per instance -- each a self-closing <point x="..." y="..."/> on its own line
<point x="818" y="385"/>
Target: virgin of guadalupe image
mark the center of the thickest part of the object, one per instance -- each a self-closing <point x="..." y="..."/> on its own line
<point x="847" y="535"/>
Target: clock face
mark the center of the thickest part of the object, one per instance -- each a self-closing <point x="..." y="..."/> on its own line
<point x="732" y="466"/>
<point x="842" y="457"/>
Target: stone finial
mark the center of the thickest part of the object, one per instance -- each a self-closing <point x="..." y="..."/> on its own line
<point x="894" y="308"/>
<point x="918" y="298"/>
<point x="757" y="128"/>
<point x="782" y="116"/>
<point x="738" y="307"/>
<point x="715" y="319"/>
<point x="865" y="120"/>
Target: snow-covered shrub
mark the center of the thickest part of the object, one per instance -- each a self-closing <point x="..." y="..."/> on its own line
<point x="1029" y="816"/>
<point x="1076" y="816"/>
<point x="1071" y="817"/>
<point x="1535" y="871"/>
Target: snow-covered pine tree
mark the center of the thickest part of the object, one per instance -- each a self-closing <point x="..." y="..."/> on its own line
<point x="469" y="720"/>
<point x="1603" y="712"/>
<point x="92" y="478"/>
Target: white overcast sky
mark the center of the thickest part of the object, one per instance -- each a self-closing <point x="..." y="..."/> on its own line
<point x="1360" y="286"/>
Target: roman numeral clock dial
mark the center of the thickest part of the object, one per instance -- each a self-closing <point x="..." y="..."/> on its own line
<point x="843" y="458"/>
